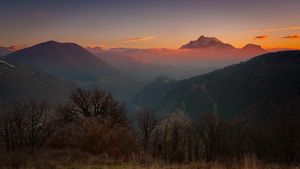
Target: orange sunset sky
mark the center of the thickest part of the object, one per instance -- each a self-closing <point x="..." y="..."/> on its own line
<point x="151" y="24"/>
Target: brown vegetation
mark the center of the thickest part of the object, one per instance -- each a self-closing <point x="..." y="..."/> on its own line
<point x="67" y="159"/>
<point x="92" y="130"/>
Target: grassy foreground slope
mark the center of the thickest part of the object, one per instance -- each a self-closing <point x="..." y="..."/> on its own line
<point x="79" y="160"/>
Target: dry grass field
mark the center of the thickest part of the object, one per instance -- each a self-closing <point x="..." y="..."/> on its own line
<point x="78" y="160"/>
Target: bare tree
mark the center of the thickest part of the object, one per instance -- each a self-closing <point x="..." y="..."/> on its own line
<point x="209" y="130"/>
<point x="96" y="103"/>
<point x="146" y="122"/>
<point x="40" y="122"/>
<point x="25" y="125"/>
<point x="93" y="121"/>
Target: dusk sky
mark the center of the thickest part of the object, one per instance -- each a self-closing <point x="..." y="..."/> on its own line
<point x="150" y="24"/>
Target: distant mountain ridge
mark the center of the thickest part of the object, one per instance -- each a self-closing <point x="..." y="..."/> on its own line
<point x="65" y="60"/>
<point x="262" y="87"/>
<point x="204" y="42"/>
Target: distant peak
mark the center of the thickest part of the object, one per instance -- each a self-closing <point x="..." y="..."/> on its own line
<point x="57" y="44"/>
<point x="51" y="42"/>
<point x="202" y="38"/>
<point x="251" y="46"/>
<point x="205" y="42"/>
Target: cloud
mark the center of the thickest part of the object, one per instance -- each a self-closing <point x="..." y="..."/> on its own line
<point x="291" y="28"/>
<point x="261" y="37"/>
<point x="138" y="39"/>
<point x="291" y="37"/>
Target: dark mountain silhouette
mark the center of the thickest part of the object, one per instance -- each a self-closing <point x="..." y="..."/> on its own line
<point x="261" y="87"/>
<point x="23" y="82"/>
<point x="66" y="60"/>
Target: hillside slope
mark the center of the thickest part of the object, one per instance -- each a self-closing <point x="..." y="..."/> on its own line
<point x="23" y="82"/>
<point x="260" y="87"/>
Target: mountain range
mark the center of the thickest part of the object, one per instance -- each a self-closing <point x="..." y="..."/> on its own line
<point x="251" y="88"/>
<point x="204" y="52"/>
<point x="204" y="42"/>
